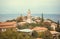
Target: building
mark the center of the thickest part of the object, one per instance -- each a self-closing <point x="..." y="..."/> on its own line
<point x="22" y="23"/>
<point x="37" y="21"/>
<point x="24" y="18"/>
<point x="55" y="34"/>
<point x="7" y="25"/>
<point x="40" y="29"/>
<point x="29" y="19"/>
<point x="48" y="21"/>
<point x="25" y="30"/>
<point x="53" y="26"/>
<point x="28" y="31"/>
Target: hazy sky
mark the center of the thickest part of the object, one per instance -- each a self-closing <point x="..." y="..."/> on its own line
<point x="36" y="6"/>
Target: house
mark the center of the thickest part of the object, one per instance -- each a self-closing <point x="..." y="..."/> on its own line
<point x="25" y="30"/>
<point x="22" y="23"/>
<point x="53" y="26"/>
<point x="7" y="25"/>
<point x="37" y="21"/>
<point x="28" y="31"/>
<point x="55" y="34"/>
<point x="48" y="21"/>
<point x="40" y="29"/>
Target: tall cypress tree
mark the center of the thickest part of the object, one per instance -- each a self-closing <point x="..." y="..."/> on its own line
<point x="58" y="24"/>
<point x="58" y="27"/>
<point x="42" y="18"/>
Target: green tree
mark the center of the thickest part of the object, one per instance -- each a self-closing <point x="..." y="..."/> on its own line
<point x="19" y="19"/>
<point x="45" y="35"/>
<point x="42" y="19"/>
<point x="35" y="34"/>
<point x="58" y="27"/>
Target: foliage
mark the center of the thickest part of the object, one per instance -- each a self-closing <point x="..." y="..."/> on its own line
<point x="14" y="35"/>
<point x="11" y="20"/>
<point x="45" y="35"/>
<point x="27" y="25"/>
<point x="35" y="34"/>
<point x="42" y="19"/>
<point x="19" y="19"/>
<point x="58" y="27"/>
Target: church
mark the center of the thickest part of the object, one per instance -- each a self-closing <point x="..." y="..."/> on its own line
<point x="28" y="18"/>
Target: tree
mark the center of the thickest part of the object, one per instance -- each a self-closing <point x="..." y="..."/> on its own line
<point x="35" y="34"/>
<point x="58" y="27"/>
<point x="42" y="18"/>
<point x="45" y="35"/>
<point x="10" y="20"/>
<point x="48" y="35"/>
<point x="19" y="19"/>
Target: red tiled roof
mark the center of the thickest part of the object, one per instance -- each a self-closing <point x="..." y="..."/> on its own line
<point x="7" y="24"/>
<point x="39" y="28"/>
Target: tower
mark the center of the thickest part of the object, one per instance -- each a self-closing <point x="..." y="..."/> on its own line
<point x="29" y="16"/>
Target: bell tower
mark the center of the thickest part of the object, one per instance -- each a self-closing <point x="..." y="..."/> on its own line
<point x="29" y="16"/>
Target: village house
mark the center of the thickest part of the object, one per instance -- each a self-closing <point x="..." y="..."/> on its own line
<point x="40" y="29"/>
<point x="27" y="31"/>
<point x="37" y="21"/>
<point x="7" y="25"/>
<point x="55" y="34"/>
<point x="48" y="21"/>
<point x="53" y="26"/>
<point x="22" y="23"/>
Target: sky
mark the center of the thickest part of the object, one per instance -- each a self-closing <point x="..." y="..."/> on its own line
<point x="36" y="6"/>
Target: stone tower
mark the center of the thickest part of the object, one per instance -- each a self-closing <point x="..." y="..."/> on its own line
<point x="29" y="16"/>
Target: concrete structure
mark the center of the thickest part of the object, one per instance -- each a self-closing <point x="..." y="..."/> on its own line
<point x="36" y="17"/>
<point x="29" y="19"/>
<point x="37" y="21"/>
<point x="24" y="18"/>
<point x="40" y="29"/>
<point x="7" y="25"/>
<point x="25" y="30"/>
<point x="55" y="34"/>
<point x="48" y="21"/>
<point x="28" y="31"/>
<point x="53" y="25"/>
<point x="22" y="23"/>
